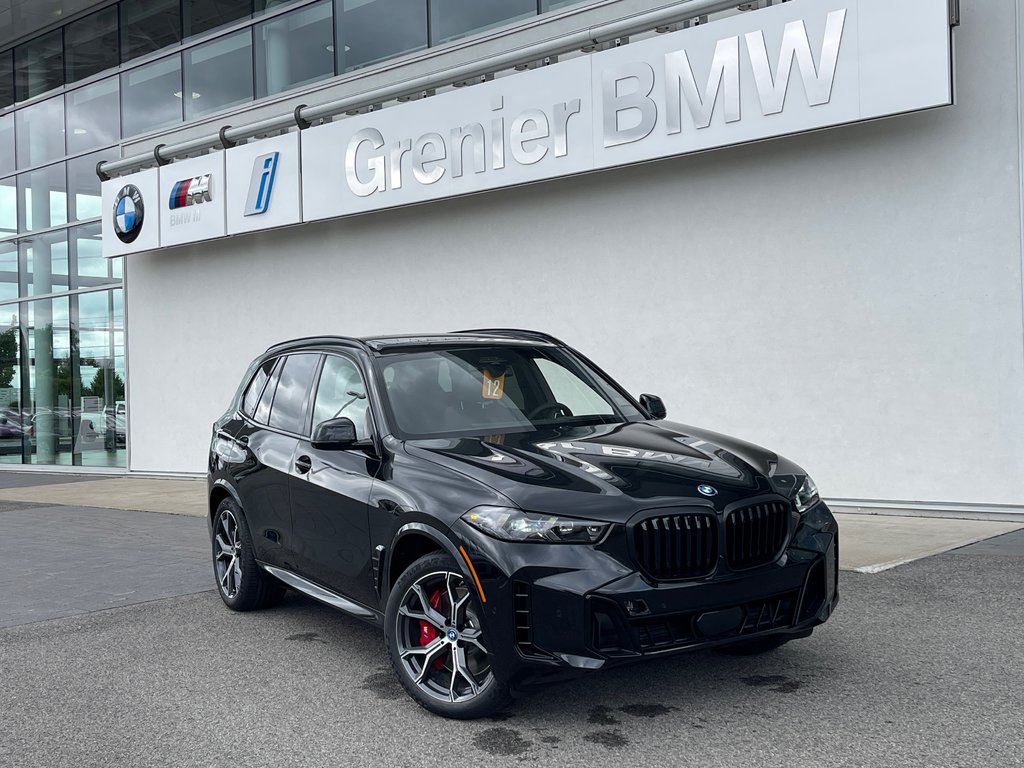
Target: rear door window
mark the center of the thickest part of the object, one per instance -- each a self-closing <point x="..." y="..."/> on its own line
<point x="290" y="401"/>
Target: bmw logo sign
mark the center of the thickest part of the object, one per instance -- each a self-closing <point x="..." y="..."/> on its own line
<point x="129" y="213"/>
<point x="707" y="490"/>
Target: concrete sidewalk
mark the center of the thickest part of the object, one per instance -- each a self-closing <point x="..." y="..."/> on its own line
<point x="870" y="543"/>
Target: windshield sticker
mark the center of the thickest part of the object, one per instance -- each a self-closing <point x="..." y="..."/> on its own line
<point x="494" y="386"/>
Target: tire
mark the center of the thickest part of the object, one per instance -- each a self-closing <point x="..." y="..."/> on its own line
<point x="456" y="679"/>
<point x="754" y="647"/>
<point x="241" y="583"/>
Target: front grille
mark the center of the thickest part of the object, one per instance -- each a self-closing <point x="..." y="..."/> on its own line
<point x="681" y="546"/>
<point x="755" y="534"/>
<point x="680" y="629"/>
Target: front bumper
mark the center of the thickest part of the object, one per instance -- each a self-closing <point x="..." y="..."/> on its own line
<point x="553" y="609"/>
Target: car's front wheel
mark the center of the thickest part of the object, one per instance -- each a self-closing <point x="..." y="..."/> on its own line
<point x="437" y="643"/>
<point x="242" y="584"/>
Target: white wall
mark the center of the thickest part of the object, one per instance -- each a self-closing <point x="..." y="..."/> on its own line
<point x="850" y="298"/>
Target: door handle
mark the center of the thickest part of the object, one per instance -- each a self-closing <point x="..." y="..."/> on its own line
<point x="303" y="464"/>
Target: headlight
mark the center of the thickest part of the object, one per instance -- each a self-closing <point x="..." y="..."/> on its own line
<point x="510" y="524"/>
<point x="807" y="496"/>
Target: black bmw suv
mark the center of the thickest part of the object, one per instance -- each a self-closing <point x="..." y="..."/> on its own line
<point x="506" y="512"/>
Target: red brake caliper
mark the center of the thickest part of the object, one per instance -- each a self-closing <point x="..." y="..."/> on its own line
<point x="428" y="633"/>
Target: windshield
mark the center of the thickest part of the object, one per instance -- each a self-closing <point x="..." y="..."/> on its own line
<point x="495" y="390"/>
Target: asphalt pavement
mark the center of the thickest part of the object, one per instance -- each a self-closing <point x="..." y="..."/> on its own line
<point x="922" y="665"/>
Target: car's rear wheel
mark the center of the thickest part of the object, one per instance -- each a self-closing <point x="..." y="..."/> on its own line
<point x="241" y="583"/>
<point x="754" y="647"/>
<point x="437" y="644"/>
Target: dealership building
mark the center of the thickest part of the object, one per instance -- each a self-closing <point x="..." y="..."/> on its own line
<point x="800" y="222"/>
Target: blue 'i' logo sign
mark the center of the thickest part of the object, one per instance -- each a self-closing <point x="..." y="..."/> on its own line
<point x="262" y="184"/>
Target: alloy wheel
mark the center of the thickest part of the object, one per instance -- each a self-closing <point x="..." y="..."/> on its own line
<point x="227" y="553"/>
<point x="440" y="642"/>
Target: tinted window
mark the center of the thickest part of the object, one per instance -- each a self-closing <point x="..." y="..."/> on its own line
<point x="294" y="49"/>
<point x="289" y="412"/>
<point x="148" y="25"/>
<point x="341" y="392"/>
<point x="91" y="44"/>
<point x="255" y="389"/>
<point x="263" y="407"/>
<point x="39" y="65"/>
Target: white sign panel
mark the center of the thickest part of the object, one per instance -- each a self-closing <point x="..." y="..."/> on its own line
<point x="131" y="220"/>
<point x="510" y="131"/>
<point x="192" y="195"/>
<point x="798" y="66"/>
<point x="792" y="67"/>
<point x="263" y="184"/>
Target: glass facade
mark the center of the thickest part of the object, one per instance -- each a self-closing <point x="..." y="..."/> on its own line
<point x="62" y="359"/>
<point x="62" y="325"/>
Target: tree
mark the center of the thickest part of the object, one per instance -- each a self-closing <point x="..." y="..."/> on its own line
<point x="97" y="387"/>
<point x="8" y="355"/>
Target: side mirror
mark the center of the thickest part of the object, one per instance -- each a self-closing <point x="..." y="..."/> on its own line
<point x="654" y="406"/>
<point x="335" y="435"/>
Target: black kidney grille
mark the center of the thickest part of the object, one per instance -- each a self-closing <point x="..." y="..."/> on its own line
<point x="677" y="546"/>
<point x="754" y="535"/>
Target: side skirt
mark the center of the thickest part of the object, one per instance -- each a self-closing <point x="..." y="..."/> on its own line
<point x="323" y="594"/>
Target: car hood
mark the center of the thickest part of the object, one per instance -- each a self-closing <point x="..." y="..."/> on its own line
<point x="609" y="472"/>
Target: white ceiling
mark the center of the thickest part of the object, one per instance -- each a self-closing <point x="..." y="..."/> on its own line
<point x="19" y="18"/>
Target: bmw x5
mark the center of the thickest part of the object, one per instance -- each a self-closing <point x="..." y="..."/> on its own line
<point x="506" y="513"/>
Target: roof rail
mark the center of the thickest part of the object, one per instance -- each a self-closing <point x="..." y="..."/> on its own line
<point x="537" y="335"/>
<point x="346" y="340"/>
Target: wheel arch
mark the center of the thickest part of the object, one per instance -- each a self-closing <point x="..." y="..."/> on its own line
<point x="413" y="541"/>
<point x="221" y="490"/>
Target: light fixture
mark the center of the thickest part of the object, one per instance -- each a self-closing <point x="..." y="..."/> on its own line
<point x="177" y="95"/>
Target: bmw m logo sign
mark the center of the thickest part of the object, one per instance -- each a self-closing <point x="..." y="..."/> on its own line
<point x="707" y="490"/>
<point x="191" y="192"/>
<point x="129" y="213"/>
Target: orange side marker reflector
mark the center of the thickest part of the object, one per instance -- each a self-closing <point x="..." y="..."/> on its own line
<point x="472" y="571"/>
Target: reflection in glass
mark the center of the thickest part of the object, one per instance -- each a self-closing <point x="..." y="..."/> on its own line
<point x="50" y="380"/>
<point x="148" y="25"/>
<point x="6" y="79"/>
<point x="101" y="431"/>
<point x="8" y="206"/>
<point x="40" y="132"/>
<point x="218" y="74"/>
<point x="84" y="185"/>
<point x="7" y="143"/>
<point x="92" y="269"/>
<point x="14" y="425"/>
<point x="294" y="49"/>
<point x="90" y="44"/>
<point x="151" y="96"/>
<point x="204" y="15"/>
<point x="450" y="19"/>
<point x="43" y="198"/>
<point x="8" y="276"/>
<point x="92" y="116"/>
<point x="371" y="30"/>
<point x="39" y="65"/>
<point x="44" y="264"/>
